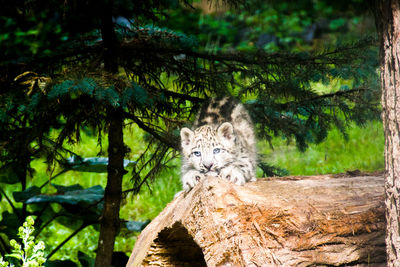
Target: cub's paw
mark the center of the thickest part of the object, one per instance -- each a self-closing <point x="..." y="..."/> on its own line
<point x="234" y="175"/>
<point x="190" y="179"/>
<point x="212" y="173"/>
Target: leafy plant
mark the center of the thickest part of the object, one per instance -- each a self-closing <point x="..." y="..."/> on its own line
<point x="29" y="253"/>
<point x="71" y="206"/>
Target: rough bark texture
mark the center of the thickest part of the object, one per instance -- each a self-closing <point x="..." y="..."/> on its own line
<point x="387" y="17"/>
<point x="292" y="221"/>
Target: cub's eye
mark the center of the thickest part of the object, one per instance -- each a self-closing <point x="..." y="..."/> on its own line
<point x="197" y="153"/>
<point x="216" y="150"/>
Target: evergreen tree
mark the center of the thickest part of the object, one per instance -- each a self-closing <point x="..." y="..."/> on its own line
<point x="101" y="64"/>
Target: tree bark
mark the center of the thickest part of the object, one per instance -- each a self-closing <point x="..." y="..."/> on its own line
<point x="292" y="221"/>
<point x="110" y="221"/>
<point x="387" y="18"/>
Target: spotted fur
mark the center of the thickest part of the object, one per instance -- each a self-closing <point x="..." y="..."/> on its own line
<point x="221" y="143"/>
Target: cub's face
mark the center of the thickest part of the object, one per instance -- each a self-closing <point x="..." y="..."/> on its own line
<point x="208" y="150"/>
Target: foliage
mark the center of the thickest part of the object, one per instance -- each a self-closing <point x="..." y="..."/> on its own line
<point x="30" y="253"/>
<point x="3" y="263"/>
<point x="273" y="25"/>
<point x="362" y="151"/>
<point x="71" y="67"/>
<point x="77" y="207"/>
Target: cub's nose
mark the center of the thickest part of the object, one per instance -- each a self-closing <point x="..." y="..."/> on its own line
<point x="208" y="165"/>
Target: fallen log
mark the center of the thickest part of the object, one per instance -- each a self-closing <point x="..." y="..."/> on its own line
<point x="291" y="221"/>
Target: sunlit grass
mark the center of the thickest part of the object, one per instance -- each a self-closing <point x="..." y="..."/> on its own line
<point x="363" y="151"/>
<point x="148" y="204"/>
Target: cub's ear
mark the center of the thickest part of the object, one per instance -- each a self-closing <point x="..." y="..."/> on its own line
<point x="225" y="130"/>
<point x="186" y="136"/>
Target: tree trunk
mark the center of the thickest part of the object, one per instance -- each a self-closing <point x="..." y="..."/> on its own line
<point x="387" y="18"/>
<point x="110" y="221"/>
<point x="292" y="221"/>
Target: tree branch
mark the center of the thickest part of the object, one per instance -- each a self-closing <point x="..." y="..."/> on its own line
<point x="325" y="96"/>
<point x="173" y="143"/>
<point x="66" y="240"/>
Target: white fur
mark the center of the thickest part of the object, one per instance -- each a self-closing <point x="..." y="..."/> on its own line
<point x="224" y="147"/>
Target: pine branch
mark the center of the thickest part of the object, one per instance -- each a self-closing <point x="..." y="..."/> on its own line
<point x="258" y="57"/>
<point x="187" y="97"/>
<point x="346" y="94"/>
<point x="83" y="226"/>
<point x="156" y="161"/>
<point x="171" y="142"/>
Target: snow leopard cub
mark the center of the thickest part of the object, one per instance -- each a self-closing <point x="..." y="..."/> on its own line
<point x="221" y="143"/>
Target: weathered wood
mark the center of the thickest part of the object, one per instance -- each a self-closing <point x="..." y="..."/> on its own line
<point x="387" y="20"/>
<point x="292" y="221"/>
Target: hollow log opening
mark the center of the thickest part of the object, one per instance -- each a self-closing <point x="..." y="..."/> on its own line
<point x="175" y="247"/>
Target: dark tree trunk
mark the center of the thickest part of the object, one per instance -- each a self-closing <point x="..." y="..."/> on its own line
<point x="23" y="176"/>
<point x="110" y="220"/>
<point x="109" y="37"/>
<point x="109" y="223"/>
<point x="387" y="18"/>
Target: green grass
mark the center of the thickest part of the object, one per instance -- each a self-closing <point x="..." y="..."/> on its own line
<point x="363" y="151"/>
<point x="148" y="204"/>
